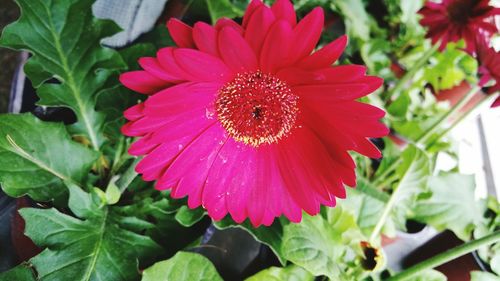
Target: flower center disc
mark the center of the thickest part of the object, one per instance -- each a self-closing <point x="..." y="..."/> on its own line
<point x="459" y="11"/>
<point x="256" y="108"/>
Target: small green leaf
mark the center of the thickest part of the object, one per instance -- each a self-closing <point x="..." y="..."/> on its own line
<point x="182" y="267"/>
<point x="356" y="18"/>
<point x="188" y="217"/>
<point x="223" y="8"/>
<point x="413" y="174"/>
<point x="36" y="157"/>
<point x="272" y="235"/>
<point x="113" y="193"/>
<point x="483" y="276"/>
<point x="19" y="273"/>
<point x="64" y="40"/>
<point x="399" y="107"/>
<point x="365" y="209"/>
<point x="451" y="205"/>
<point x="94" y="247"/>
<point x="429" y="275"/>
<point x="289" y="273"/>
<point x="320" y="242"/>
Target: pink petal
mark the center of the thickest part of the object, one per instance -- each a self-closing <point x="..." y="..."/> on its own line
<point x="235" y="51"/>
<point x="135" y="112"/>
<point x="283" y="10"/>
<point x="142" y="82"/>
<point x="252" y="7"/>
<point x="276" y="47"/>
<point x="152" y="66"/>
<point x="225" y="22"/>
<point x="258" y="27"/>
<point x="205" y="37"/>
<point x="181" y="98"/>
<point x="331" y="75"/>
<point x="307" y="33"/>
<point x="181" y="33"/>
<point x="325" y="56"/>
<point x="202" y="66"/>
<point x="168" y="63"/>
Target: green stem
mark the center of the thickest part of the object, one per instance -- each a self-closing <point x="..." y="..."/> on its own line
<point x="466" y="98"/>
<point x="127" y="177"/>
<point x="385" y="213"/>
<point x="411" y="73"/>
<point x="446" y="256"/>
<point x="486" y="100"/>
<point x="115" y="166"/>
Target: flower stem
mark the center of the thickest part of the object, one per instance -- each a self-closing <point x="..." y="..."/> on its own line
<point x="447" y="256"/>
<point x="466" y="98"/>
<point x="485" y="100"/>
<point x="409" y="75"/>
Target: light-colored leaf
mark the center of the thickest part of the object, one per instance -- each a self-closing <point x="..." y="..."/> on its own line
<point x="289" y="273"/>
<point x="451" y="205"/>
<point x="182" y="267"/>
<point x="483" y="276"/>
<point x="188" y="217"/>
<point x="429" y="275"/>
<point x="320" y="242"/>
<point x="37" y="157"/>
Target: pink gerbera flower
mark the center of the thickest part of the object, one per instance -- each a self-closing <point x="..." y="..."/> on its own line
<point x="452" y="20"/>
<point x="244" y="120"/>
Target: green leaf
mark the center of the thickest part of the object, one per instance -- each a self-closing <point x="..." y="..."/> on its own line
<point x="182" y="267"/>
<point x="429" y="275"/>
<point x="320" y="242"/>
<point x="271" y="236"/>
<point x="356" y="18"/>
<point x="451" y="205"/>
<point x="365" y="209"/>
<point x="483" y="276"/>
<point x="188" y="217"/>
<point x="413" y="174"/>
<point x="64" y="39"/>
<point x="113" y="193"/>
<point x="399" y="107"/>
<point x="94" y="247"/>
<point x="223" y="8"/>
<point x="19" y="273"/>
<point x="289" y="273"/>
<point x="36" y="157"/>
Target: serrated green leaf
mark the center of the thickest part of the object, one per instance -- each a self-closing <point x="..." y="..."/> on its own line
<point x="182" y="267"/>
<point x="270" y="235"/>
<point x="483" y="276"/>
<point x="452" y="204"/>
<point x="365" y="209"/>
<point x="19" y="273"/>
<point x="36" y="157"/>
<point x="64" y="40"/>
<point x="320" y="242"/>
<point x="222" y="8"/>
<point x="289" y="273"/>
<point x="429" y="275"/>
<point x="93" y="247"/>
<point x="188" y="217"/>
<point x="413" y="173"/>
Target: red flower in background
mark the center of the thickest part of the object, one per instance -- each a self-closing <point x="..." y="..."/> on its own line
<point x="244" y="120"/>
<point x="489" y="68"/>
<point x="452" y="20"/>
